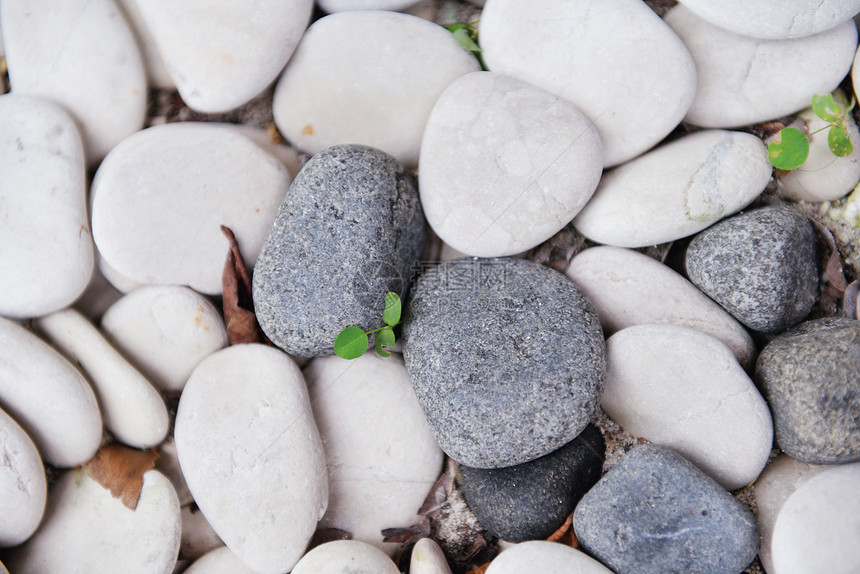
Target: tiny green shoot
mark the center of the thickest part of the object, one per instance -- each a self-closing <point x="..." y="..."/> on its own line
<point x="352" y="342"/>
<point x="467" y="36"/>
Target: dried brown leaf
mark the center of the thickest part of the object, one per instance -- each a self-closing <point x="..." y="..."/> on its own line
<point x="120" y="469"/>
<point x="565" y="534"/>
<point x="438" y="496"/>
<point x="480" y="569"/>
<point x="835" y="279"/>
<point x="849" y="302"/>
<point x="408" y="535"/>
<point x="242" y="326"/>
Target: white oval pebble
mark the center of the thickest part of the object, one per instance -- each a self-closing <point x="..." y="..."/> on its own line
<point x="134" y="411"/>
<point x="251" y="454"/>
<point x="583" y="51"/>
<point x="775" y="20"/>
<point x="168" y="465"/>
<point x="345" y="557"/>
<point x="381" y="455"/>
<point x="23" y="488"/>
<point x="629" y="288"/>
<point x="67" y="429"/>
<point x="156" y="71"/>
<point x="86" y="529"/>
<point x="165" y="331"/>
<point x="743" y="80"/>
<point x="46" y="249"/>
<point x="222" y="54"/>
<point x="676" y="190"/>
<point x="161" y="196"/>
<point x="681" y="388"/>
<point x="269" y="141"/>
<point x="343" y="5"/>
<point x="428" y="558"/>
<point x="504" y="165"/>
<point x="117" y="280"/>
<point x="219" y="561"/>
<point x="51" y="52"/>
<point x="367" y="77"/>
<point x="819" y="525"/>
<point x="542" y="556"/>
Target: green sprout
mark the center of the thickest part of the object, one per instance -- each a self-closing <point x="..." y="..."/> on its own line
<point x="467" y="36"/>
<point x="351" y="343"/>
<point x="790" y="148"/>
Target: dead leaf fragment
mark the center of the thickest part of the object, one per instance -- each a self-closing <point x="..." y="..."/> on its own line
<point x="323" y="535"/>
<point x="480" y="569"/>
<point x="565" y="534"/>
<point x="120" y="469"/>
<point x="835" y="279"/>
<point x="408" y="535"/>
<point x="438" y="496"/>
<point x="239" y="317"/>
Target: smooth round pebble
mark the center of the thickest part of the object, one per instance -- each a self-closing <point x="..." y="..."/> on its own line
<point x="345" y="557"/>
<point x="51" y="53"/>
<point x="160" y="198"/>
<point x="168" y="465"/>
<point x="819" y="524"/>
<point x="504" y="165"/>
<point x="156" y="71"/>
<point x="582" y="53"/>
<point x="23" y="487"/>
<point x="428" y="558"/>
<point x="381" y="456"/>
<point x="676" y="190"/>
<point x="629" y="288"/>
<point x="506" y="356"/>
<point x="220" y="54"/>
<point x="86" y="529"/>
<point x="133" y="409"/>
<point x="745" y="80"/>
<point x="761" y="266"/>
<point x="684" y="389"/>
<point x="46" y="249"/>
<point x="810" y="376"/>
<point x="218" y="561"/>
<point x="530" y="501"/>
<point x="251" y="454"/>
<point x="656" y="512"/>
<point x="349" y="230"/>
<point x="369" y="77"/>
<point x="343" y="5"/>
<point x="68" y="428"/>
<point x="543" y="556"/>
<point x="165" y="331"/>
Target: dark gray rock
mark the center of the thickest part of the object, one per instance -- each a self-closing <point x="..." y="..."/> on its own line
<point x="530" y="501"/>
<point x="655" y="512"/>
<point x="759" y="265"/>
<point x="349" y="229"/>
<point x="810" y="376"/>
<point x="507" y="359"/>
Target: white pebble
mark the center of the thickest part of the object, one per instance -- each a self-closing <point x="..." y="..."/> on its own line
<point x="168" y="465"/>
<point x="23" y="488"/>
<point x="46" y="250"/>
<point x="542" y="556"/>
<point x="156" y="71"/>
<point x="219" y="561"/>
<point x="428" y="558"/>
<point x="134" y="411"/>
<point x="345" y="557"/>
<point x="343" y="5"/>
<point x="680" y="388"/>
<point x="251" y="454"/>
<point x="67" y="429"/>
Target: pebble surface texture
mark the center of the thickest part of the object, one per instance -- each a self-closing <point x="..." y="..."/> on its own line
<point x="656" y="513"/>
<point x="507" y="358"/>
<point x="345" y="557"/>
<point x="349" y="230"/>
<point x="530" y="501"/>
<point x="23" y="488"/>
<point x="810" y="376"/>
<point x="545" y="557"/>
<point x="759" y="265"/>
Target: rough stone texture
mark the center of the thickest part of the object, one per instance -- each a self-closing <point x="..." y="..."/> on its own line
<point x="507" y="358"/>
<point x="530" y="501"/>
<point x="810" y="376"/>
<point x="349" y="229"/>
<point x="655" y="512"/>
<point x="759" y="265"/>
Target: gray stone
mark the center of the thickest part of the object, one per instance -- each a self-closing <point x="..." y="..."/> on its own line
<point x="349" y="229"/>
<point x="530" y="501"/>
<point x="507" y="358"/>
<point x="656" y="512"/>
<point x="760" y="266"/>
<point x="810" y="376"/>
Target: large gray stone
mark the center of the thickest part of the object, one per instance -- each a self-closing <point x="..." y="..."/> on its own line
<point x="810" y="376"/>
<point x="507" y="358"/>
<point x="349" y="229"/>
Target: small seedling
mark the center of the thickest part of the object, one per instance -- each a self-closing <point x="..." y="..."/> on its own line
<point x="351" y="343"/>
<point x="790" y="148"/>
<point x="467" y="36"/>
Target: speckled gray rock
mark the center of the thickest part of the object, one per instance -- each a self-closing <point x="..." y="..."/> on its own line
<point x="530" y="501"/>
<point x="349" y="229"/>
<point x="810" y="376"/>
<point x="507" y="358"/>
<point x="655" y="512"/>
<point x="760" y="266"/>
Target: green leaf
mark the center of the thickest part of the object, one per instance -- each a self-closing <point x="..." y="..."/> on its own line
<point x="391" y="314"/>
<point x="463" y="36"/>
<point x="385" y="341"/>
<point x="351" y="343"/>
<point x="454" y="27"/>
<point x="826" y="108"/>
<point x="789" y="149"/>
<point x="839" y="142"/>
